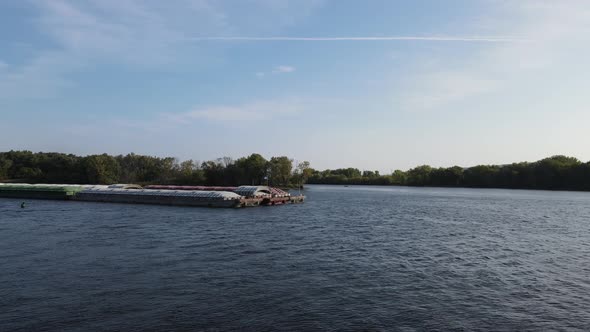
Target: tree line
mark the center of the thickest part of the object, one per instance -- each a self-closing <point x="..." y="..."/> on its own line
<point x="553" y="173"/>
<point x="41" y="167"/>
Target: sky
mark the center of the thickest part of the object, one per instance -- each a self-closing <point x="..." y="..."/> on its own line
<point x="376" y="84"/>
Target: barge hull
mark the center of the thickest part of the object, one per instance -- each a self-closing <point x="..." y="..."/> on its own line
<point x="36" y="195"/>
<point x="156" y="200"/>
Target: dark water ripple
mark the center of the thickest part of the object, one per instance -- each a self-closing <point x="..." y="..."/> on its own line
<point x="355" y="258"/>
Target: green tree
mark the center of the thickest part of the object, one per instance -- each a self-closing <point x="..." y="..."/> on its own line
<point x="482" y="176"/>
<point x="189" y="173"/>
<point x="446" y="177"/>
<point x="370" y="174"/>
<point x="302" y="173"/>
<point x="419" y="176"/>
<point x="102" y="169"/>
<point x="255" y="169"/>
<point x="214" y="173"/>
<point x="398" y="177"/>
<point x="280" y="170"/>
<point x="5" y="165"/>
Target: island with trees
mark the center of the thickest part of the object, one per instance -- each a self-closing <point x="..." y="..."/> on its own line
<point x="553" y="173"/>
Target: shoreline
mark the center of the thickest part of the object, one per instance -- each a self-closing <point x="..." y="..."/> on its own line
<point x="444" y="187"/>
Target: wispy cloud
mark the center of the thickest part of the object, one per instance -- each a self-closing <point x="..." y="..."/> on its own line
<point x="139" y="33"/>
<point x="283" y="69"/>
<point x="277" y="70"/>
<point x="493" y="39"/>
<point x="433" y="90"/>
<point x="130" y="33"/>
<point x="252" y="111"/>
<point x="240" y="115"/>
<point x="43" y="77"/>
<point x="87" y="34"/>
<point x="553" y="30"/>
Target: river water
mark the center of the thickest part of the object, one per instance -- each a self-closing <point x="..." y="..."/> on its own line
<point x="349" y="258"/>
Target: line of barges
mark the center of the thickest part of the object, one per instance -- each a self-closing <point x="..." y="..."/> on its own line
<point x="234" y="197"/>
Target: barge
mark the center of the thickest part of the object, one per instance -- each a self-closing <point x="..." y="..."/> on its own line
<point x="229" y="197"/>
<point x="252" y="195"/>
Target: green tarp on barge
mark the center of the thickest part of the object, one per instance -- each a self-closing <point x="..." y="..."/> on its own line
<point x="38" y="191"/>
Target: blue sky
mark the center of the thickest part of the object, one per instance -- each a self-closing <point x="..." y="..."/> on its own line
<point x="370" y="84"/>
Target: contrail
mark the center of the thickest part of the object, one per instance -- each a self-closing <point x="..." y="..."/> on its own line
<point x="386" y="38"/>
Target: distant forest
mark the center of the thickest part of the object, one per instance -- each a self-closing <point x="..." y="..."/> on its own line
<point x="40" y="167"/>
<point x="553" y="173"/>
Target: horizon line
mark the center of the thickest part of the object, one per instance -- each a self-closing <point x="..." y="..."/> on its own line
<point x="493" y="39"/>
